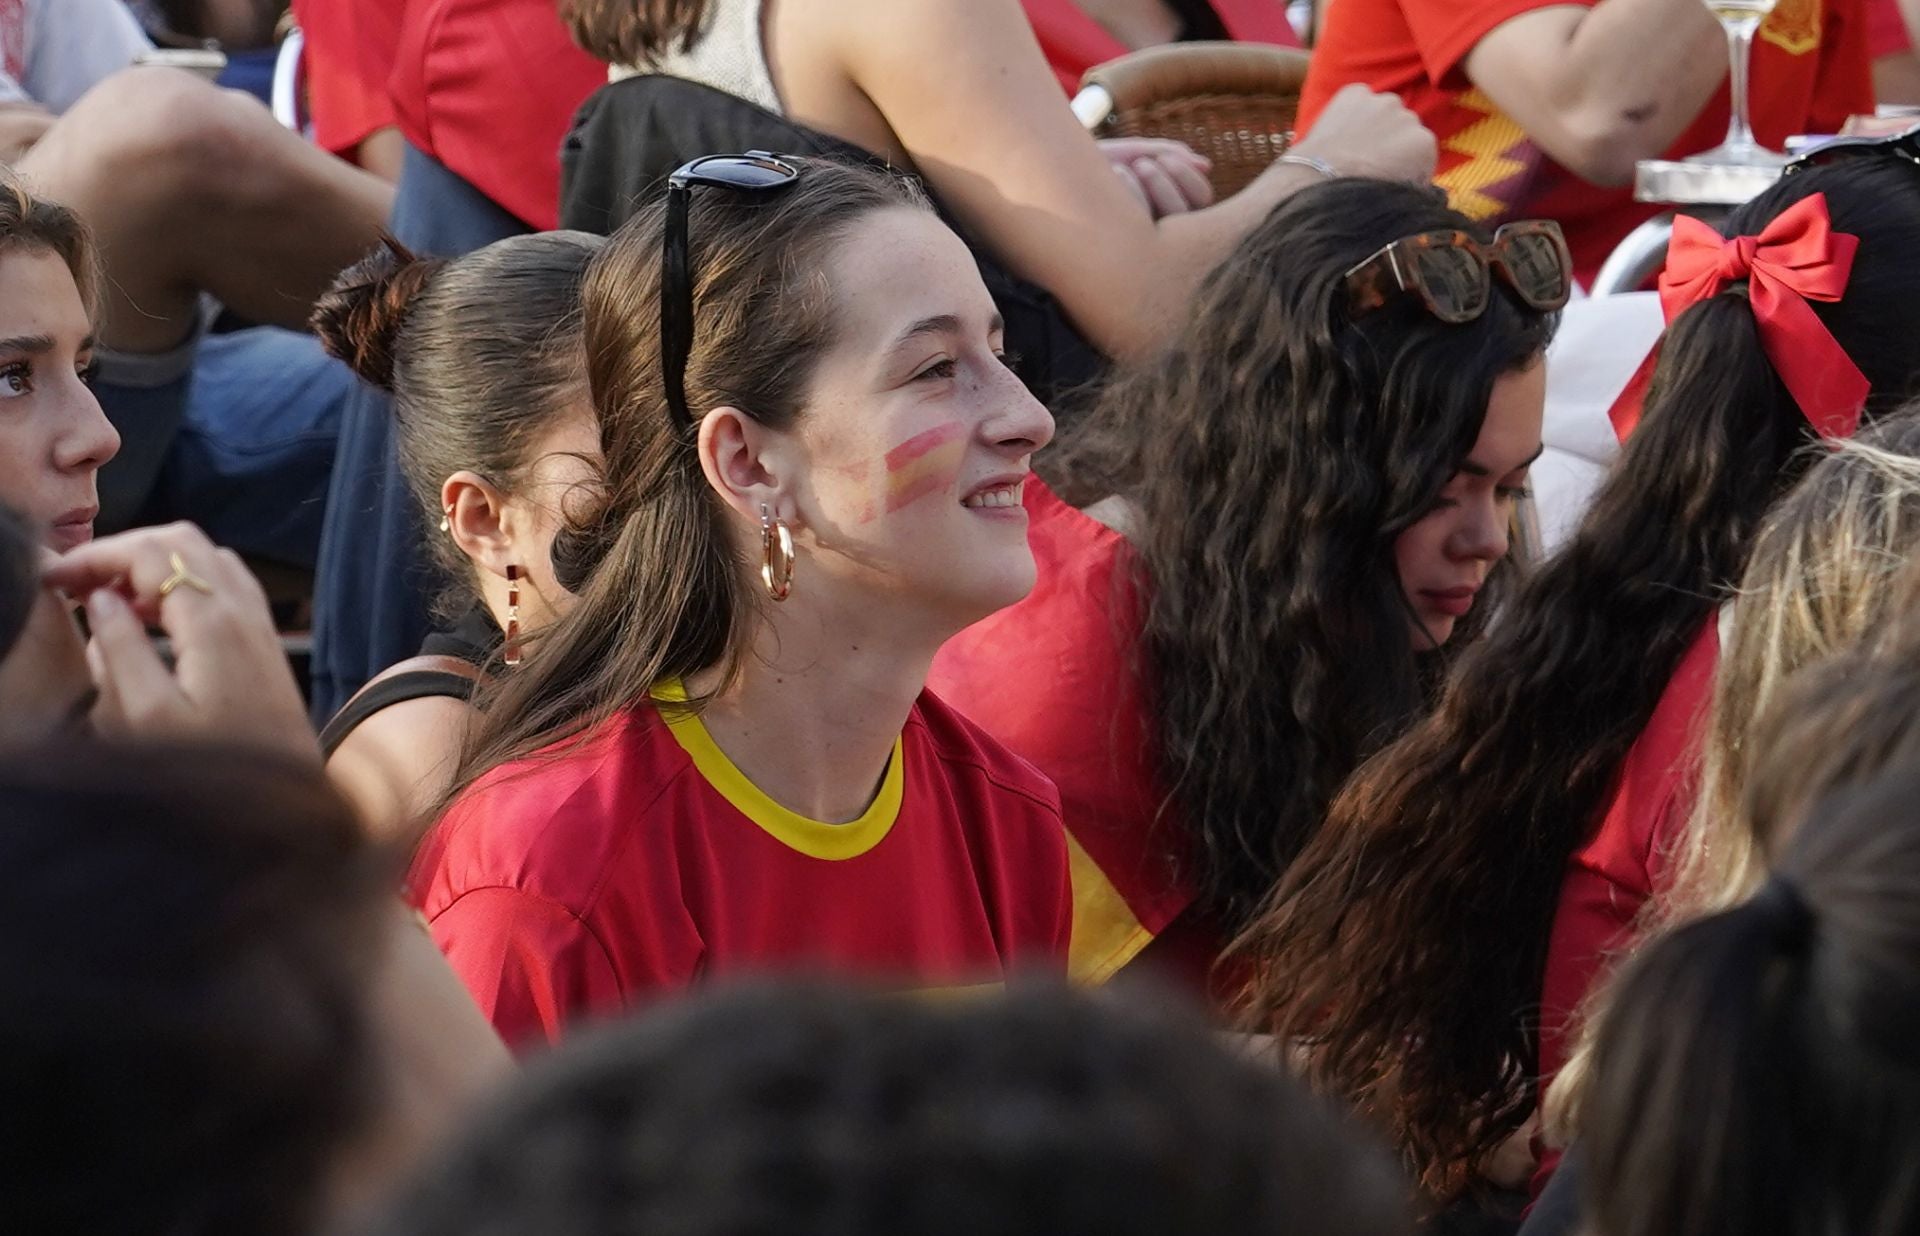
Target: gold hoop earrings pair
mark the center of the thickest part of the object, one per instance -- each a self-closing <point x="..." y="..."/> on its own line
<point x="776" y="549"/>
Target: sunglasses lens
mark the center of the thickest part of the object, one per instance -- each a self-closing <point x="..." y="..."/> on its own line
<point x="1454" y="280"/>
<point x="743" y="172"/>
<point x="1539" y="272"/>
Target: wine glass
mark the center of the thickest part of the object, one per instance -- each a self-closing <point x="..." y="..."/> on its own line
<point x="1740" y="19"/>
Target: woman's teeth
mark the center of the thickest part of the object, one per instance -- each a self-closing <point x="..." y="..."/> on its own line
<point x="1006" y="496"/>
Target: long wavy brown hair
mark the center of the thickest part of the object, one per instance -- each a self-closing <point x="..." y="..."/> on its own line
<point x="1274" y="452"/>
<point x="1406" y="944"/>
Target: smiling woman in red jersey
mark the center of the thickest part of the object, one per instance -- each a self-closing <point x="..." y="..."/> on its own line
<point x="723" y="760"/>
<point x="1253" y="551"/>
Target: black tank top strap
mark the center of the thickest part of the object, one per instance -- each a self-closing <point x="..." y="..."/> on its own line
<point x="416" y="678"/>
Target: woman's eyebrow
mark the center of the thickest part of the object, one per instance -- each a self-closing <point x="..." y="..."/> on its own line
<point x="1472" y="468"/>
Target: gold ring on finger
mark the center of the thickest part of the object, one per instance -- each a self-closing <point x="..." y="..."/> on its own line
<point x="182" y="577"/>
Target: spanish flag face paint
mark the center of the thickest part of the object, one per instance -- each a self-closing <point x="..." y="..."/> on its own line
<point x="925" y="464"/>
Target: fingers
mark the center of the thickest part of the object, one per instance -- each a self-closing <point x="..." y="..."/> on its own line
<point x="136" y="689"/>
<point x="1163" y="195"/>
<point x="140" y="563"/>
<point x="1127" y="178"/>
<point x="1189" y="172"/>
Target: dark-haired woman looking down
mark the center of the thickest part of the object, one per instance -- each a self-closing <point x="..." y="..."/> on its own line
<point x="1409" y="944"/>
<point x="1251" y="545"/>
<point x="723" y="758"/>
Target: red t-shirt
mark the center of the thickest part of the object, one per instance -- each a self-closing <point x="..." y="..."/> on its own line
<point x="1074" y="42"/>
<point x="1055" y="679"/>
<point x="644" y="861"/>
<point x="1886" y="29"/>
<point x="350" y="46"/>
<point x="1810" y="72"/>
<point x="1618" y="871"/>
<point x="489" y="88"/>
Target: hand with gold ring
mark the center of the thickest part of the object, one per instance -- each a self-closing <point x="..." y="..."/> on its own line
<point x="229" y="682"/>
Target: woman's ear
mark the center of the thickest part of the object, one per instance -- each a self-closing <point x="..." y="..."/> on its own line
<point x="475" y="515"/>
<point x="748" y="464"/>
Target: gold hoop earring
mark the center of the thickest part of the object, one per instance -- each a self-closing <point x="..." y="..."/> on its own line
<point x="776" y="548"/>
<point x="510" y="647"/>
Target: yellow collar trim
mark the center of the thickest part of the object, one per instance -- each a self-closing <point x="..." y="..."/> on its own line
<point x="814" y="838"/>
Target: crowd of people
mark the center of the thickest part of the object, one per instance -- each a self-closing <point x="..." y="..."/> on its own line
<point x="880" y="664"/>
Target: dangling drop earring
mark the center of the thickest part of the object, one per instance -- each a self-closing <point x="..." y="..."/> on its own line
<point x="510" y="649"/>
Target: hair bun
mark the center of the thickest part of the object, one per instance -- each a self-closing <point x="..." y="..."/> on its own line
<point x="360" y="317"/>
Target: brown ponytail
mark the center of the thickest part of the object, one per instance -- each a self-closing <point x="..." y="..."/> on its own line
<point x="634" y="32"/>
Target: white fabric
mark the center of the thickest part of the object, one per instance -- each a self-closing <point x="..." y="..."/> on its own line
<point x="1601" y="344"/>
<point x="729" y="55"/>
<point x="54" y="51"/>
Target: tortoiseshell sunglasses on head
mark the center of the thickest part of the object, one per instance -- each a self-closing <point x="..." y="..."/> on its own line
<point x="1452" y="272"/>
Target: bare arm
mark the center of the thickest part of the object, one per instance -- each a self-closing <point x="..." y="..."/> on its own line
<point x="964" y="88"/>
<point x="396" y="766"/>
<point x="1601" y="88"/>
<point x="1910" y="13"/>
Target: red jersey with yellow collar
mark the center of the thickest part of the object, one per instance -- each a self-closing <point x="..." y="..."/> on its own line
<point x="643" y="861"/>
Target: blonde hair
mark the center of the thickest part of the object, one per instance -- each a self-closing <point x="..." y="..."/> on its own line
<point x="1828" y="573"/>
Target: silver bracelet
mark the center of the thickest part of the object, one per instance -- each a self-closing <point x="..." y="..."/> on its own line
<point x="1318" y="165"/>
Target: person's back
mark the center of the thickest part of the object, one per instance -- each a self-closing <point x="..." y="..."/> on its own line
<point x="820" y="1112"/>
<point x="1542" y="107"/>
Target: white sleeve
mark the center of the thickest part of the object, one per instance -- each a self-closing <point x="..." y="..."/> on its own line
<point x="73" y="44"/>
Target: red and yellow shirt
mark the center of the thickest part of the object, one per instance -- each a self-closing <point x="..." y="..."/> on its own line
<point x="1810" y="72"/>
<point x="1054" y="678"/>
<point x="643" y="861"/>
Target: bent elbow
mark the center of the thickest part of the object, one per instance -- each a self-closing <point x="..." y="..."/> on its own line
<point x="1603" y="147"/>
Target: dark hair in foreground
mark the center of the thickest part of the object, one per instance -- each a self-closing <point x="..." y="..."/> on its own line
<point x="483" y="357"/>
<point x="1759" y="1071"/>
<point x="664" y="591"/>
<point x="824" y="1112"/>
<point x="1275" y="451"/>
<point x="184" y="942"/>
<point x="1407" y="943"/>
<point x="19" y="577"/>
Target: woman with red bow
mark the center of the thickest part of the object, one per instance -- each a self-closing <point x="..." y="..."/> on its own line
<point x="1472" y="878"/>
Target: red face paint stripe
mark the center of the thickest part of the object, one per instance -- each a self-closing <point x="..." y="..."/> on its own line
<point x="920" y="443"/>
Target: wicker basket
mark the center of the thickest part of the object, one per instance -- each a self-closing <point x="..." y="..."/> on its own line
<point x="1233" y="102"/>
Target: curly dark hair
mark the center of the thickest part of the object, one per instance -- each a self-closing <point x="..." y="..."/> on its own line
<point x="793" y="1111"/>
<point x="1274" y="452"/>
<point x="1408" y="941"/>
<point x="188" y="938"/>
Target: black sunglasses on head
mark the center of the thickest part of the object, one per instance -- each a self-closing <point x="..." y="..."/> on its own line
<point x="1902" y="145"/>
<point x="753" y="172"/>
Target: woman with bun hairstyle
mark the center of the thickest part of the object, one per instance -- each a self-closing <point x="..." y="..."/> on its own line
<point x="1253" y="550"/>
<point x="494" y="430"/>
<point x="723" y="758"/>
<point x="1407" y="946"/>
<point x="1757" y="1070"/>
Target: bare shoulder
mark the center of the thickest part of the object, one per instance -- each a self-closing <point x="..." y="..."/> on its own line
<point x="399" y="762"/>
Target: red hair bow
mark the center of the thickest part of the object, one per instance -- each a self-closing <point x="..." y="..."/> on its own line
<point x="1797" y="258"/>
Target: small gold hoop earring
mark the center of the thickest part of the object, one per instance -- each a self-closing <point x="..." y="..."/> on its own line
<point x="776" y="548"/>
